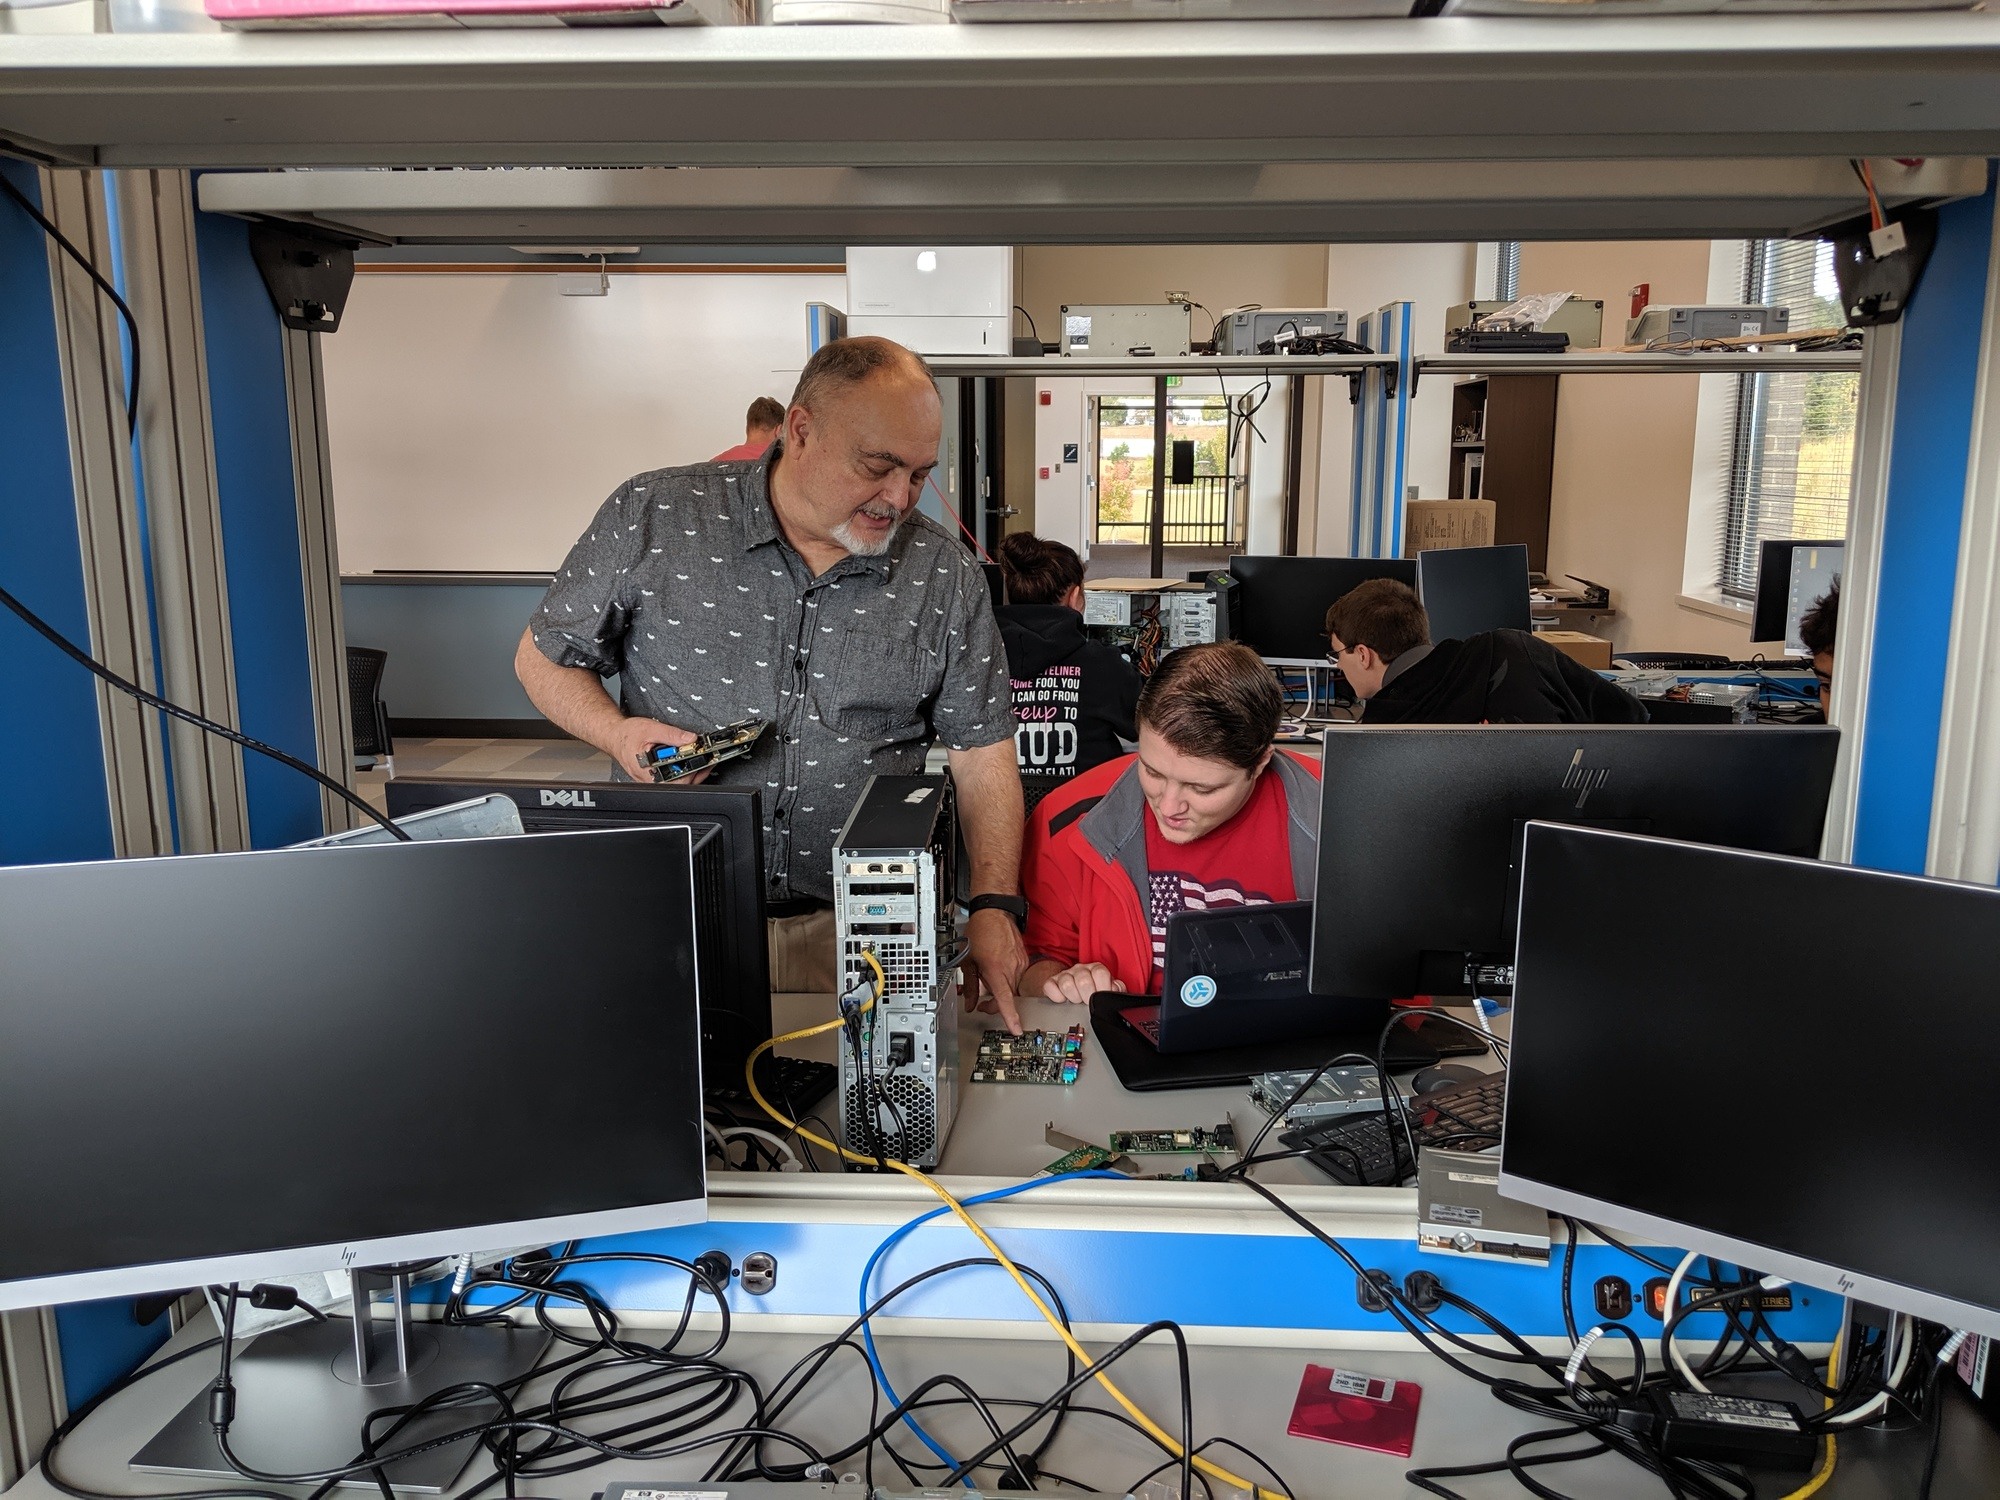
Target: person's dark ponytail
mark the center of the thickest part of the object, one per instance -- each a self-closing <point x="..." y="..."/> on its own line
<point x="1038" y="571"/>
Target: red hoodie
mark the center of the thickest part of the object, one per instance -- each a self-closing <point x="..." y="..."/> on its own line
<point x="1084" y="868"/>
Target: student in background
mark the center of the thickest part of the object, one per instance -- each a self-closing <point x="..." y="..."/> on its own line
<point x="1816" y="628"/>
<point x="761" y="426"/>
<point x="1208" y="814"/>
<point x="1381" y="641"/>
<point x="1073" y="697"/>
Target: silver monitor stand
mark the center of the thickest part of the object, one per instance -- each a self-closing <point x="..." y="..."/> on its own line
<point x="304" y="1390"/>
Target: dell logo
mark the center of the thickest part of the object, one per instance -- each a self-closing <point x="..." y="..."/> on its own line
<point x="566" y="798"/>
<point x="1580" y="779"/>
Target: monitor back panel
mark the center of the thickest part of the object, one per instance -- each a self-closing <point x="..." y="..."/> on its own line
<point x="1470" y="590"/>
<point x="729" y="878"/>
<point x="1421" y="826"/>
<point x="1284" y="600"/>
<point x="1827" y="1099"/>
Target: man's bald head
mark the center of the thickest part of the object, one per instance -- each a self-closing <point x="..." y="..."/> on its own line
<point x="840" y="366"/>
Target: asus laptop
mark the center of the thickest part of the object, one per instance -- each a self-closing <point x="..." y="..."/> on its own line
<point x="1235" y="1002"/>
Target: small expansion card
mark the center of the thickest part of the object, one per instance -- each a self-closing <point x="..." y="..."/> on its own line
<point x="1174" y="1142"/>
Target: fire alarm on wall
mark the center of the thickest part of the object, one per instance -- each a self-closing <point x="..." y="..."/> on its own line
<point x="1047" y="398"/>
<point x="1045" y="471"/>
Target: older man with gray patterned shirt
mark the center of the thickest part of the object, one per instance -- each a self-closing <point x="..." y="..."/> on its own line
<point x="801" y="588"/>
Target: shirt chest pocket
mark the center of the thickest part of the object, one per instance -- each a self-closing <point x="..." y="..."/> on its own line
<point x="880" y="685"/>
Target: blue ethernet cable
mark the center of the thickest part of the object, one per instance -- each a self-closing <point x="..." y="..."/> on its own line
<point x="868" y="1275"/>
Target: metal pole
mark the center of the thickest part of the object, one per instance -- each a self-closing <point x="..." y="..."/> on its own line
<point x="1295" y="437"/>
<point x="1157" y="531"/>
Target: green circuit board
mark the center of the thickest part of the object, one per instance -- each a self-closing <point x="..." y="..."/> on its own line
<point x="1032" y="1057"/>
<point x="1173" y="1142"/>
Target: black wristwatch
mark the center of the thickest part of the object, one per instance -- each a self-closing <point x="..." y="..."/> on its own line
<point x="1015" y="907"/>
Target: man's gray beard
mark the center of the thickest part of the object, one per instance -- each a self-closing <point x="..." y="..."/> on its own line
<point x="859" y="546"/>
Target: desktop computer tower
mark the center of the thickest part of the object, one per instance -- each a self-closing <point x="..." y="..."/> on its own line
<point x="893" y="879"/>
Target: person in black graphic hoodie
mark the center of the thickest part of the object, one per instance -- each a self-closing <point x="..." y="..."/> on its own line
<point x="1074" y="698"/>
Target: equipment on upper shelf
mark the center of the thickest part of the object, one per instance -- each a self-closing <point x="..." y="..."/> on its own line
<point x="1247" y="330"/>
<point x="1683" y="325"/>
<point x="1114" y="330"/>
<point x="1582" y="320"/>
<point x="893" y="879"/>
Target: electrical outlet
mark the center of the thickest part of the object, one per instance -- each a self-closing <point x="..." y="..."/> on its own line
<point x="1612" y="1297"/>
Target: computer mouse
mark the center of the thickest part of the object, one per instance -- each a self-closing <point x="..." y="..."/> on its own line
<point x="1444" y="1075"/>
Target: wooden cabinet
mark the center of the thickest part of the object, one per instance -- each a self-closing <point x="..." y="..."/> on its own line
<point x="1503" y="449"/>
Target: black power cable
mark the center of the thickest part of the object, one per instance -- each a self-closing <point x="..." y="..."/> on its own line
<point x="83" y="261"/>
<point x="83" y="657"/>
<point x="153" y="700"/>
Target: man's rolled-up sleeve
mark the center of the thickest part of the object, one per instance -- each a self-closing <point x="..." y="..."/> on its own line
<point x="975" y="705"/>
<point x="583" y="618"/>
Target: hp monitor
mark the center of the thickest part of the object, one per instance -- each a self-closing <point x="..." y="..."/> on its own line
<point x="1779" y="1146"/>
<point x="1284" y="600"/>
<point x="728" y="825"/>
<point x="1791" y="578"/>
<point x="1421" y="825"/>
<point x="216" y="1068"/>
<point x="1471" y="590"/>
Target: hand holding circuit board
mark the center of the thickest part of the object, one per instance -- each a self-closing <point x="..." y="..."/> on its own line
<point x="705" y="751"/>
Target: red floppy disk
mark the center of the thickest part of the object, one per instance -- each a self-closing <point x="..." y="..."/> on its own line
<point x="1361" y="1411"/>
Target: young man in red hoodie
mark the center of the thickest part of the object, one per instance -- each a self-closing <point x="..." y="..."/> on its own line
<point x="1208" y="814"/>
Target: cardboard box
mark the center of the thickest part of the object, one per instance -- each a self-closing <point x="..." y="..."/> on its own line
<point x="1592" y="651"/>
<point x="1430" y="524"/>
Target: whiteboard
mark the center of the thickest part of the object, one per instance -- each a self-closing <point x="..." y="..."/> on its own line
<point x="477" y="420"/>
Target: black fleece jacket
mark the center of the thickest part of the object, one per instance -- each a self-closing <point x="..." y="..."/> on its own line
<point x="1499" y="677"/>
<point x="1073" y="697"/>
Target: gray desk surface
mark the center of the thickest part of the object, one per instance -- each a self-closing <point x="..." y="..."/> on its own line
<point x="1243" y="1394"/>
<point x="1000" y="1130"/>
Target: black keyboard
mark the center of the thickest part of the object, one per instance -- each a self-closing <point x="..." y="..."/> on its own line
<point x="794" y="1084"/>
<point x="1370" y="1150"/>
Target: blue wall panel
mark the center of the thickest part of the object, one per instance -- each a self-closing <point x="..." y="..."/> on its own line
<point x="1926" y="501"/>
<point x="260" y="530"/>
<point x="53" y="802"/>
<point x="103" y="1341"/>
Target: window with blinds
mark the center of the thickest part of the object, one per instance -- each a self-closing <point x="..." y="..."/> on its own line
<point x="1791" y="439"/>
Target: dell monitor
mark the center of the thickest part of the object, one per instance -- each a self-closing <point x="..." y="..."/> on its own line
<point x="221" y="1067"/>
<point x="729" y="882"/>
<point x="1421" y="826"/>
<point x="1471" y="590"/>
<point x="1284" y="600"/>
<point x="1791" y="578"/>
<point x="1776" y="1146"/>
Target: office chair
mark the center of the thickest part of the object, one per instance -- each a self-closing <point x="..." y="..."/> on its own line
<point x="371" y="719"/>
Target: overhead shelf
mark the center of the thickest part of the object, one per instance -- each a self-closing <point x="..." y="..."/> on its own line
<point x="1649" y="362"/>
<point x="1314" y="202"/>
<point x="1257" y="93"/>
<point x="1583" y="362"/>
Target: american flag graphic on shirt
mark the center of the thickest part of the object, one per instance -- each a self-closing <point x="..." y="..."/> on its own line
<point x="1174" y="892"/>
